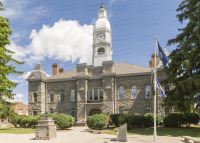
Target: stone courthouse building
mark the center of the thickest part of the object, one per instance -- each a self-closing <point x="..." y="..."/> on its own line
<point x="103" y="87"/>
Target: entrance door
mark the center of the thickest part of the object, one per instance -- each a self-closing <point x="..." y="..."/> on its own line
<point x="94" y="111"/>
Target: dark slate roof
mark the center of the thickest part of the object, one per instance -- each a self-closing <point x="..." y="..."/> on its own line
<point x="38" y="67"/>
<point x="38" y="74"/>
<point x="38" y="71"/>
<point x="67" y="74"/>
<point x="126" y="68"/>
<point x="119" y="68"/>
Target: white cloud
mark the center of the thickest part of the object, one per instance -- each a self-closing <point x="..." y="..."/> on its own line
<point x="20" y="52"/>
<point x="25" y="75"/>
<point x="17" y="98"/>
<point x="65" y="41"/>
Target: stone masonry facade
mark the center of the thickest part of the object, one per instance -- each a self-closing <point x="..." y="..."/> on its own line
<point x="83" y="82"/>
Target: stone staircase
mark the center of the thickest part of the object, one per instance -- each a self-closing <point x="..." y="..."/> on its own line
<point x="80" y="123"/>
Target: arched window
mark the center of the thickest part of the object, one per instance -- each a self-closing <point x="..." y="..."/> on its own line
<point x="95" y="74"/>
<point x="121" y="92"/>
<point x="72" y="95"/>
<point x="101" y="51"/>
<point x="148" y="91"/>
<point x="61" y="96"/>
<point x="134" y="92"/>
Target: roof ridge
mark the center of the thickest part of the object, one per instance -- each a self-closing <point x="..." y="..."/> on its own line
<point x="63" y="72"/>
<point x="134" y="64"/>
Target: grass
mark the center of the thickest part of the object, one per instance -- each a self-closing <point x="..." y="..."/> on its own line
<point x="13" y="130"/>
<point x="193" y="131"/>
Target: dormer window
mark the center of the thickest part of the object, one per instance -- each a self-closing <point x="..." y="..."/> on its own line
<point x="101" y="51"/>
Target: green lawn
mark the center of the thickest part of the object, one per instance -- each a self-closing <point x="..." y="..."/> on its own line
<point x="174" y="132"/>
<point x="12" y="130"/>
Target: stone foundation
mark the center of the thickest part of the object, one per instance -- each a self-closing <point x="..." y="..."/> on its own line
<point x="46" y="129"/>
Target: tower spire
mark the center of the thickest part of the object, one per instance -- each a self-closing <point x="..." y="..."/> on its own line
<point x="102" y="6"/>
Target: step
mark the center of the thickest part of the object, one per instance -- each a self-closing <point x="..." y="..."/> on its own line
<point x="79" y="124"/>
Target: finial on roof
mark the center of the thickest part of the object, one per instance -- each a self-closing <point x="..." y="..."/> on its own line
<point x="38" y="62"/>
<point x="165" y="48"/>
<point x="102" y="5"/>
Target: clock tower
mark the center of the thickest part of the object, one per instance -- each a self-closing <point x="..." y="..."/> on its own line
<point x="102" y="45"/>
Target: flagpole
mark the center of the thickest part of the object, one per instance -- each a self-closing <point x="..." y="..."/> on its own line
<point x="155" y="133"/>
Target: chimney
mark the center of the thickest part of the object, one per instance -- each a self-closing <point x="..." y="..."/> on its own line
<point x="61" y="70"/>
<point x="150" y="63"/>
<point x="55" y="69"/>
<point x="153" y="61"/>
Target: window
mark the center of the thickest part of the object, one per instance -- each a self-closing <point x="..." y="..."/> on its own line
<point x="34" y="113"/>
<point x="72" y="112"/>
<point x="4" y="123"/>
<point x="148" y="91"/>
<point x="147" y="109"/>
<point x="34" y="97"/>
<point x="20" y="111"/>
<point x="72" y="95"/>
<point x="121" y="92"/>
<point x="51" y="111"/>
<point x="96" y="94"/>
<point x="95" y="74"/>
<point x="51" y="96"/>
<point x="101" y="51"/>
<point x="101" y="94"/>
<point x="61" y="96"/>
<point x="167" y="88"/>
<point x="121" y="110"/>
<point x="134" y="92"/>
<point x="27" y="112"/>
<point x="167" y="111"/>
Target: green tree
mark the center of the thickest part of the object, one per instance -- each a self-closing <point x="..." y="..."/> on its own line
<point x="6" y="68"/>
<point x="184" y="70"/>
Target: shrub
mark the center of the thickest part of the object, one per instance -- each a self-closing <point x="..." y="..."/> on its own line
<point x="149" y="119"/>
<point x="173" y="120"/>
<point x="136" y="120"/>
<point x="64" y="121"/>
<point x="110" y="121"/>
<point x="24" y="122"/>
<point x="14" y="120"/>
<point x="114" y="118"/>
<point x="97" y="121"/>
<point x="49" y="115"/>
<point x="176" y="119"/>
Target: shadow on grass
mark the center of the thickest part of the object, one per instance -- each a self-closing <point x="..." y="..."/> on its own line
<point x="161" y="131"/>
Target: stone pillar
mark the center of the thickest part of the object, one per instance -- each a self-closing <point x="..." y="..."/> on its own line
<point x="46" y="129"/>
<point x="108" y="66"/>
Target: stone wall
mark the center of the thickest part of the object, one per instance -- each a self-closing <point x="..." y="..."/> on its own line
<point x="92" y="70"/>
<point x="134" y="105"/>
<point x="82" y="85"/>
<point x="64" y="106"/>
<point x="39" y="88"/>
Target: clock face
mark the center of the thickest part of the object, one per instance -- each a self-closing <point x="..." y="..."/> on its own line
<point x="100" y="37"/>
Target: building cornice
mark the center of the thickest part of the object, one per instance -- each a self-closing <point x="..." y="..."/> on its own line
<point x="62" y="79"/>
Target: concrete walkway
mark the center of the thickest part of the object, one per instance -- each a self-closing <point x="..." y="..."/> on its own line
<point x="81" y="135"/>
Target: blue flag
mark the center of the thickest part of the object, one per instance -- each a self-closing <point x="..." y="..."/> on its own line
<point x="162" y="93"/>
<point x="162" y="56"/>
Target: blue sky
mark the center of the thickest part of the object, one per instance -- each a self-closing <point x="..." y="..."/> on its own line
<point x="61" y="32"/>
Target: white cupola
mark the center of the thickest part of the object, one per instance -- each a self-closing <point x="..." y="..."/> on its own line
<point x="102" y="45"/>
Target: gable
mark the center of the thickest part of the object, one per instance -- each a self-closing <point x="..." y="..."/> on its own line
<point x="34" y="77"/>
